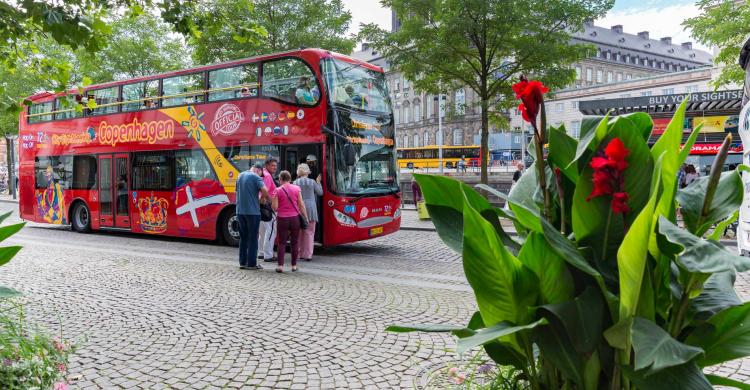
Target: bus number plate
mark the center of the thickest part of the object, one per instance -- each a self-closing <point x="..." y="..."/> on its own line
<point x="376" y="230"/>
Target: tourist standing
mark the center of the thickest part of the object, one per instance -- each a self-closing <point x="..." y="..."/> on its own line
<point x="289" y="206"/>
<point x="248" y="186"/>
<point x="518" y="173"/>
<point x="268" y="229"/>
<point x="311" y="190"/>
<point x="691" y="174"/>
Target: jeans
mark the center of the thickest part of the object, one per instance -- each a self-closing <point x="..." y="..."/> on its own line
<point x="288" y="229"/>
<point x="248" y="239"/>
<point x="267" y="238"/>
<point x="307" y="241"/>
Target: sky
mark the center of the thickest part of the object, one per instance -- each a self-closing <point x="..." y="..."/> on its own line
<point x="662" y="18"/>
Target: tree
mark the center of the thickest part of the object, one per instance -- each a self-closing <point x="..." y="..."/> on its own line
<point x="484" y="45"/>
<point x="237" y="29"/>
<point x="726" y="25"/>
<point x="139" y="45"/>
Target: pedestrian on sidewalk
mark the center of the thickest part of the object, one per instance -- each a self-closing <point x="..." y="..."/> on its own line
<point x="416" y="192"/>
<point x="518" y="173"/>
<point x="290" y="209"/>
<point x="268" y="229"/>
<point x="248" y="186"/>
<point x="311" y="190"/>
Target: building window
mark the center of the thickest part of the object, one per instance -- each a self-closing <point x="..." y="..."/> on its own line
<point x="625" y="95"/>
<point x="458" y="137"/>
<point x="608" y="55"/>
<point x="578" y="72"/>
<point x="627" y="58"/>
<point x="575" y="129"/>
<point x="460" y="102"/>
<point x="397" y="115"/>
<point x="599" y="76"/>
<point x="589" y="74"/>
<point x="397" y="86"/>
<point x="574" y="104"/>
<point x="416" y="140"/>
<point x="667" y="91"/>
<point x="691" y="88"/>
<point x="430" y="104"/>
<point x="610" y="77"/>
<point x="628" y="76"/>
<point x="619" y="76"/>
<point x="559" y="107"/>
<point x="646" y="93"/>
<point x="417" y="111"/>
<point x="426" y="137"/>
<point x="406" y="83"/>
<point x="617" y="56"/>
<point x="406" y="114"/>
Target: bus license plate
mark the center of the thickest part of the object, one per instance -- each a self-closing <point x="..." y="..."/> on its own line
<point x="376" y="230"/>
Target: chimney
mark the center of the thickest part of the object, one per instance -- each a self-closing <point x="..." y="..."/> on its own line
<point x="667" y="40"/>
<point x="687" y="45"/>
<point x="617" y="28"/>
<point x="643" y="34"/>
<point x="588" y="22"/>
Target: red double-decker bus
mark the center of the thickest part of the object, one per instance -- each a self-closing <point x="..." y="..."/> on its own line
<point x="161" y="154"/>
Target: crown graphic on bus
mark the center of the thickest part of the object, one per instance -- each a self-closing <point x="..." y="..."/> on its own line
<point x="153" y="212"/>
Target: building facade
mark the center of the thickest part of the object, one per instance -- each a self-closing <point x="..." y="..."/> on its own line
<point x="564" y="108"/>
<point x="620" y="57"/>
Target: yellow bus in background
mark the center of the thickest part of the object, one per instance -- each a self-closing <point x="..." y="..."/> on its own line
<point x="426" y="157"/>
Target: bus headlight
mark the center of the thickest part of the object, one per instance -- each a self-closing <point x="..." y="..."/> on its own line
<point x="397" y="213"/>
<point x="343" y="218"/>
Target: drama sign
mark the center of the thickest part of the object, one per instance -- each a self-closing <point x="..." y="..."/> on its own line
<point x="227" y="120"/>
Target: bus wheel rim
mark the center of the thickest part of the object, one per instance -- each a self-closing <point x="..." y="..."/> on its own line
<point x="82" y="216"/>
<point x="231" y="223"/>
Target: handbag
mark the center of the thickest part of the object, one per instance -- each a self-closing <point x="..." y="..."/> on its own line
<point x="266" y="212"/>
<point x="302" y="219"/>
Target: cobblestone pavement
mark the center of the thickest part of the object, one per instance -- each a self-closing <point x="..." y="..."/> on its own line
<point x="165" y="313"/>
<point x="162" y="313"/>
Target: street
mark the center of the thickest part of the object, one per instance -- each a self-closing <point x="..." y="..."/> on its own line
<point x="153" y="312"/>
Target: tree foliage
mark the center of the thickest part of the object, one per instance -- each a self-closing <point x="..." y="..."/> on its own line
<point x="139" y="45"/>
<point x="726" y="25"/>
<point x="484" y="45"/>
<point x="237" y="29"/>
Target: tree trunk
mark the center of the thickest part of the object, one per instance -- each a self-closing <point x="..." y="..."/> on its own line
<point x="484" y="148"/>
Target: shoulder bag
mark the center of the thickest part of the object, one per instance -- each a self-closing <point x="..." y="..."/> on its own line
<point x="302" y="219"/>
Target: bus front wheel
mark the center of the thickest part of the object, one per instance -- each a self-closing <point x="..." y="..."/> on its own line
<point x="230" y="228"/>
<point x="81" y="221"/>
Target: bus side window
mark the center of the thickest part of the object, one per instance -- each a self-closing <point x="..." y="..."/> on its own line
<point x="37" y="109"/>
<point x="140" y="96"/>
<point x="182" y="90"/>
<point x="229" y="83"/>
<point x="290" y="80"/>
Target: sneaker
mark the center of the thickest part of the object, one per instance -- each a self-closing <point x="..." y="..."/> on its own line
<point x="255" y="267"/>
<point x="269" y="260"/>
<point x="243" y="267"/>
<point x="260" y="256"/>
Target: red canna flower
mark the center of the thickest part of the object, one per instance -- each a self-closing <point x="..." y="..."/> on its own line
<point x="620" y="203"/>
<point x="609" y="178"/>
<point x="531" y="94"/>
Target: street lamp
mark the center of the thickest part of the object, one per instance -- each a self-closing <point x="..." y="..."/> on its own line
<point x="441" y="113"/>
<point x="11" y="162"/>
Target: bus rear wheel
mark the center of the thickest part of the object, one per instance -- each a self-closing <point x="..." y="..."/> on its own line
<point x="81" y="220"/>
<point x="230" y="228"/>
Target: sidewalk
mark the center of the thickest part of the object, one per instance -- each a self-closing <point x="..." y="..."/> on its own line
<point x="7" y="198"/>
<point x="410" y="221"/>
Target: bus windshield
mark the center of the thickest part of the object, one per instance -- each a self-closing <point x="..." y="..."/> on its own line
<point x="374" y="171"/>
<point x="355" y="86"/>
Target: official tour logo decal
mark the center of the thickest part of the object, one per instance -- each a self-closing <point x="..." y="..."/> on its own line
<point x="227" y="120"/>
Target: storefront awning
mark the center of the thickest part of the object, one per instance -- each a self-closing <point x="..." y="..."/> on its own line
<point x="700" y="104"/>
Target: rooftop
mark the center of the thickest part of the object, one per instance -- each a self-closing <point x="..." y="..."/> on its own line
<point x="615" y="36"/>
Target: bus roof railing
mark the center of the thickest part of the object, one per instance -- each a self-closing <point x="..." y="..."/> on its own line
<point x="150" y="98"/>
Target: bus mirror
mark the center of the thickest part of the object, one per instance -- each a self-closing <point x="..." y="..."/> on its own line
<point x="350" y="155"/>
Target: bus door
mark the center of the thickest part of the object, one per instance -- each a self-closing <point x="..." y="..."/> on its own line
<point x="291" y="160"/>
<point x="114" y="181"/>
